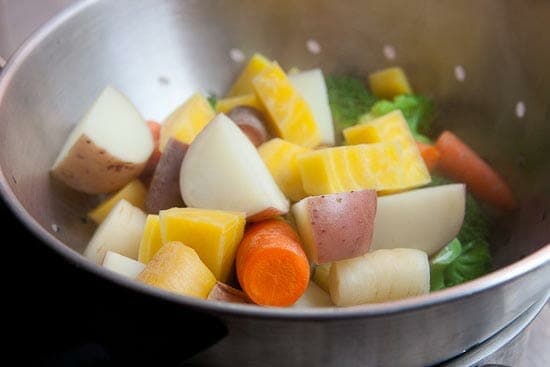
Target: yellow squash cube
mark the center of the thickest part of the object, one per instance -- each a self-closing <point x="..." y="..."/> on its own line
<point x="227" y="104"/>
<point x="243" y="84"/>
<point x="186" y="121"/>
<point x="389" y="83"/>
<point x="214" y="234"/>
<point x="280" y="157"/>
<point x="150" y="240"/>
<point x="393" y="127"/>
<point x="291" y="117"/>
<point x="177" y="268"/>
<point x="134" y="193"/>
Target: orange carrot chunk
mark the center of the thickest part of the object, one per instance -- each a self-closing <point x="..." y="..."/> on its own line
<point x="461" y="163"/>
<point x="430" y="154"/>
<point x="272" y="268"/>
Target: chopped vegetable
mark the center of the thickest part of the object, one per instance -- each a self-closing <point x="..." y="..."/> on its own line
<point x="122" y="265"/>
<point x="225" y="293"/>
<point x="280" y="157"/>
<point x="223" y="170"/>
<point x="388" y="128"/>
<point x="214" y="234"/>
<point x="476" y="223"/>
<point x="456" y="263"/>
<point x="357" y="167"/>
<point x="320" y="275"/>
<point x="336" y="226"/>
<point x="290" y="115"/>
<point x="349" y="99"/>
<point x="252" y="123"/>
<point x="313" y="297"/>
<point x="152" y="162"/>
<point x="424" y="219"/>
<point x="251" y="100"/>
<point x="311" y="85"/>
<point x="150" y="239"/>
<point x="461" y="163"/>
<point x="134" y="193"/>
<point x="379" y="276"/>
<point x="177" y="268"/>
<point x="108" y="148"/>
<point x="389" y="83"/>
<point x="243" y="84"/>
<point x="271" y="266"/>
<point x="186" y="121"/>
<point x="417" y="109"/>
<point x="164" y="191"/>
<point x="213" y="101"/>
<point x="430" y="155"/>
<point x="120" y="232"/>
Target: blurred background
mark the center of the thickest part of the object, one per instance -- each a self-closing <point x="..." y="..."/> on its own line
<point x="63" y="316"/>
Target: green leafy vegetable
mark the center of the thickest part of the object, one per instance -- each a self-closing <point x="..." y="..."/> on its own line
<point x="474" y="261"/>
<point x="456" y="264"/>
<point x="417" y="109"/>
<point x="349" y="99"/>
<point x="213" y="100"/>
<point x="441" y="261"/>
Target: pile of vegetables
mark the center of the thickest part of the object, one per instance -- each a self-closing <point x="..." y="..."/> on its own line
<point x="249" y="199"/>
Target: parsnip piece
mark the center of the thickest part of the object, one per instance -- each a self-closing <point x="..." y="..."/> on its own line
<point x="177" y="268"/>
<point x="379" y="276"/>
<point x="120" y="232"/>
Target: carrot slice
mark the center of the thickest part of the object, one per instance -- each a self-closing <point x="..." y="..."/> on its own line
<point x="272" y="268"/>
<point x="430" y="154"/>
<point x="461" y="163"/>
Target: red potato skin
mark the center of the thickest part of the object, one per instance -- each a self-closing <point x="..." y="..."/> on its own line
<point x="252" y="122"/>
<point x="226" y="293"/>
<point x="342" y="224"/>
<point x="151" y="164"/>
<point x="91" y="169"/>
<point x="164" y="190"/>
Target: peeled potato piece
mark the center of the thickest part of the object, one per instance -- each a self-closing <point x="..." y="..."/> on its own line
<point x="379" y="276"/>
<point x="122" y="265"/>
<point x="120" y="232"/>
<point x="313" y="297"/>
<point x="107" y="149"/>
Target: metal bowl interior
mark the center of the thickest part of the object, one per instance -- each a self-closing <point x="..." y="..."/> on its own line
<point x="484" y="64"/>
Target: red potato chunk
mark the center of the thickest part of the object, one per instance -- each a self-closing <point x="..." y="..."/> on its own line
<point x="164" y="190"/>
<point x="337" y="226"/>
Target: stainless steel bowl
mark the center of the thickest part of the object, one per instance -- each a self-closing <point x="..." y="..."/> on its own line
<point x="484" y="63"/>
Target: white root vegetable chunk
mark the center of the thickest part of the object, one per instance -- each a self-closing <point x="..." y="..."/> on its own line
<point x="107" y="149"/>
<point x="424" y="219"/>
<point x="311" y="85"/>
<point x="122" y="265"/>
<point x="379" y="276"/>
<point x="120" y="232"/>
<point x="223" y="170"/>
<point x="336" y="226"/>
<point x="313" y="297"/>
